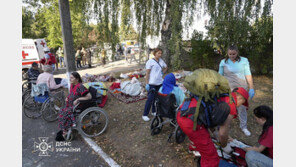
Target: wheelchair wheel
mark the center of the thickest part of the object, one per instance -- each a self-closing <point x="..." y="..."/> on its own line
<point x="25" y="95"/>
<point x="156" y="125"/>
<point x="92" y="122"/>
<point x="31" y="108"/>
<point x="180" y="135"/>
<point x="51" y="108"/>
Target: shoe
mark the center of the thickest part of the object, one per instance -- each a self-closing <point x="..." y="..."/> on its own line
<point x="246" y="132"/>
<point x="60" y="136"/>
<point x="145" y="118"/>
<point x="154" y="113"/>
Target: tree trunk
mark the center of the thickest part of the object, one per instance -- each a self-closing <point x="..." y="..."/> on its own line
<point x="67" y="37"/>
<point x="166" y="35"/>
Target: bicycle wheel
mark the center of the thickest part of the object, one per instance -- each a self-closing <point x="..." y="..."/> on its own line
<point x="51" y="108"/>
<point x="92" y="122"/>
<point x="31" y="108"/>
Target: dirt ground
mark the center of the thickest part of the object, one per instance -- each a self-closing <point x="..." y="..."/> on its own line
<point x="129" y="142"/>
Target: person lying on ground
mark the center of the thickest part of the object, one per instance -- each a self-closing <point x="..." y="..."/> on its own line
<point x="169" y="86"/>
<point x="47" y="77"/>
<point x="200" y="137"/>
<point x="262" y="155"/>
<point x="77" y="93"/>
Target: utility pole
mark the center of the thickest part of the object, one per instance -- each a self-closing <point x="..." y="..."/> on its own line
<point x="67" y="37"/>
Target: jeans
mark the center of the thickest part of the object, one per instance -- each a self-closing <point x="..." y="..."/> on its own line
<point x="256" y="159"/>
<point x="243" y="116"/>
<point x="78" y="63"/>
<point x="62" y="63"/>
<point x="150" y="100"/>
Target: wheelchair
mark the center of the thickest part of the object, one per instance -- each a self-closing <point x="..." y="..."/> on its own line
<point x="91" y="120"/>
<point x="46" y="105"/>
<point x="166" y="107"/>
<point x="26" y="88"/>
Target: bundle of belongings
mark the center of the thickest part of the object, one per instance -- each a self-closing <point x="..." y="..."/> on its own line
<point x="128" y="91"/>
<point x="98" y="78"/>
<point x="101" y="91"/>
<point x="137" y="74"/>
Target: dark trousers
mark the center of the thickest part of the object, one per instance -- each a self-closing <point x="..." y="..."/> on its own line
<point x="150" y="100"/>
<point x="78" y="63"/>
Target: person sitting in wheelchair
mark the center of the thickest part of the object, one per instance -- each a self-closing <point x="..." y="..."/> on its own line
<point x="169" y="86"/>
<point x="33" y="73"/>
<point x="47" y="77"/>
<point x="77" y="93"/>
<point x="169" y="97"/>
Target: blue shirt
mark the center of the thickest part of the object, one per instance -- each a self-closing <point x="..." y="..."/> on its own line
<point x="235" y="72"/>
<point x="180" y="96"/>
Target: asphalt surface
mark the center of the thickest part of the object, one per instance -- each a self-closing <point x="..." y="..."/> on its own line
<point x="77" y="153"/>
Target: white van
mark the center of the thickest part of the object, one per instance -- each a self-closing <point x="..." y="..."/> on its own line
<point x="32" y="51"/>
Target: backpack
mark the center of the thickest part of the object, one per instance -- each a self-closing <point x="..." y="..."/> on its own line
<point x="211" y="114"/>
<point x="52" y="58"/>
<point x="206" y="86"/>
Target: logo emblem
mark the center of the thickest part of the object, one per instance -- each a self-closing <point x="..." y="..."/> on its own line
<point x="43" y="146"/>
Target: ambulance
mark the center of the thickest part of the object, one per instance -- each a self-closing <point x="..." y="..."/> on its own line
<point x="32" y="51"/>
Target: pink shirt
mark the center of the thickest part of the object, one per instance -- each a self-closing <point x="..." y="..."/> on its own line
<point x="48" y="79"/>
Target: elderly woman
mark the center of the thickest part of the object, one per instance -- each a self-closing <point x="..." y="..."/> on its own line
<point x="77" y="92"/>
<point x="169" y="86"/>
<point x="47" y="77"/>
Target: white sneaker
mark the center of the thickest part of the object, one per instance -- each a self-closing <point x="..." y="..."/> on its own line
<point x="246" y="132"/>
<point x="145" y="118"/>
<point x="154" y="113"/>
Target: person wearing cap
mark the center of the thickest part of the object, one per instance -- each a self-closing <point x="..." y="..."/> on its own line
<point x="49" y="58"/>
<point x="236" y="70"/>
<point x="201" y="138"/>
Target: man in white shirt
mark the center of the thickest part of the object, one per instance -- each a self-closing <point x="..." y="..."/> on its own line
<point x="155" y="68"/>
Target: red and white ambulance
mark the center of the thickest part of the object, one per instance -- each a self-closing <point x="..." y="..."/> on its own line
<point x="32" y="51"/>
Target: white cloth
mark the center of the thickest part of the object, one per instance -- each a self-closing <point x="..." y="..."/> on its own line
<point x="156" y="73"/>
<point x="133" y="89"/>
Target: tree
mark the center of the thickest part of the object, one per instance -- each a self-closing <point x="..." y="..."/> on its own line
<point x="27" y="21"/>
<point x="237" y="22"/>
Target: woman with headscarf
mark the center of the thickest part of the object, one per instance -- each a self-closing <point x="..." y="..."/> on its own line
<point x="169" y="86"/>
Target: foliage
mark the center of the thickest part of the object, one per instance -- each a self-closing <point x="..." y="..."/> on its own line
<point x="238" y="22"/>
<point x="45" y="22"/>
<point x="202" y="54"/>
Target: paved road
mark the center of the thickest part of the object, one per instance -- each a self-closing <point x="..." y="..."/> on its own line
<point x="81" y="156"/>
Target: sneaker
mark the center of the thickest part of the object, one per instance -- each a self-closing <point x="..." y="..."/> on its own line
<point x="246" y="132"/>
<point x="154" y="113"/>
<point x="145" y="118"/>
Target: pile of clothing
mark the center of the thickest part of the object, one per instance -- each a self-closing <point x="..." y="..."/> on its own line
<point x="137" y="74"/>
<point x="98" y="78"/>
<point x="128" y="91"/>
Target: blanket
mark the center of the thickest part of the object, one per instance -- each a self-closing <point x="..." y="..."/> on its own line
<point x="118" y="94"/>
